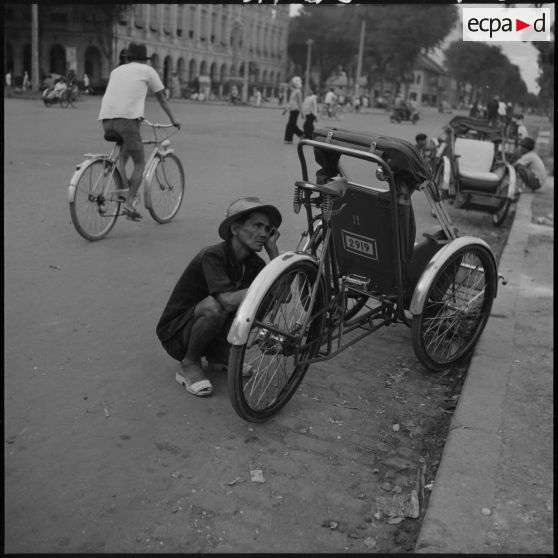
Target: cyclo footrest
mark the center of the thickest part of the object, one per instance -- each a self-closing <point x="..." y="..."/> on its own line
<point x="358" y="282"/>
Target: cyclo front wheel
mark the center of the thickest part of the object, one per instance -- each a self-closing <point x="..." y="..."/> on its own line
<point x="95" y="206"/>
<point x="456" y="308"/>
<point x="265" y="372"/>
<point x="166" y="190"/>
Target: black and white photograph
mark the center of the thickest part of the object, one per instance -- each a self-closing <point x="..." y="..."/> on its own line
<point x="278" y="278"/>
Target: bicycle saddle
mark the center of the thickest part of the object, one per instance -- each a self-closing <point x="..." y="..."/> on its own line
<point x="111" y="135"/>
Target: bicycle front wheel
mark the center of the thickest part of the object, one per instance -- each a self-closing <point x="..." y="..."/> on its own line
<point x="456" y="309"/>
<point x="500" y="215"/>
<point x="265" y="372"/>
<point x="166" y="190"/>
<point x="95" y="205"/>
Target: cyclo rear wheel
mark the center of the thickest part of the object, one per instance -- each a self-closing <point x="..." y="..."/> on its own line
<point x="95" y="207"/>
<point x="166" y="190"/>
<point x="276" y="344"/>
<point x="500" y="215"/>
<point x="456" y="309"/>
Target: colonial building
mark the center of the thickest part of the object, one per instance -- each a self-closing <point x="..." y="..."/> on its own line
<point x="195" y="47"/>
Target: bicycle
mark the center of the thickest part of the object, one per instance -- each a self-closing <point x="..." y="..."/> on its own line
<point x="355" y="270"/>
<point x="335" y="111"/>
<point x="99" y="184"/>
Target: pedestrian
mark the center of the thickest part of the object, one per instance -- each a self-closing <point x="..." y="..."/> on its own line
<point x="86" y="84"/>
<point x="521" y="132"/>
<point x="294" y="106"/>
<point x="492" y="109"/>
<point x="122" y="109"/>
<point x="26" y="81"/>
<point x="202" y="305"/>
<point x="234" y="94"/>
<point x="529" y="166"/>
<point x="309" y="113"/>
<point x="426" y="147"/>
<point x="8" y="81"/>
<point x="258" y="98"/>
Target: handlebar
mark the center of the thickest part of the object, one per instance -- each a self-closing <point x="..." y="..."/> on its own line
<point x="155" y="125"/>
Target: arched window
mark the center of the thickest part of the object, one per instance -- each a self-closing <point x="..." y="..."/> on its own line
<point x="58" y="60"/>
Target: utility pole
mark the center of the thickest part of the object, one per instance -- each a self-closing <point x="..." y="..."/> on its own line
<point x="35" y="85"/>
<point x="360" y="55"/>
<point x="309" y="43"/>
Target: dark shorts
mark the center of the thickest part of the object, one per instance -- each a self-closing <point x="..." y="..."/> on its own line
<point x="129" y="130"/>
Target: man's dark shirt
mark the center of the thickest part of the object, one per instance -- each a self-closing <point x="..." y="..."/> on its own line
<point x="214" y="270"/>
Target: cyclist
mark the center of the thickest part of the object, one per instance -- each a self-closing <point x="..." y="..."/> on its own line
<point x="122" y="110"/>
<point x="199" y="312"/>
<point x="330" y="101"/>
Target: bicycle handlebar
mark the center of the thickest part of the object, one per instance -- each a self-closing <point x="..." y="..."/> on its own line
<point x="155" y="125"/>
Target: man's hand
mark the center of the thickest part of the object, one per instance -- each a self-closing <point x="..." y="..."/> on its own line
<point x="271" y="244"/>
<point x="176" y="124"/>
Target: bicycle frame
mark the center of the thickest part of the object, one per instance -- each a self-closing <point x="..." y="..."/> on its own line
<point x="160" y="149"/>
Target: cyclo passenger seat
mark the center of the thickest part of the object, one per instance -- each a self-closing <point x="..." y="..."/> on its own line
<point x="363" y="232"/>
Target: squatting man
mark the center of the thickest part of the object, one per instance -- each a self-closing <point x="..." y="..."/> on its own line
<point x="200" y="310"/>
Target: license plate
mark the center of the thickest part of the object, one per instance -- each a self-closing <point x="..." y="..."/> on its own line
<point x="360" y="245"/>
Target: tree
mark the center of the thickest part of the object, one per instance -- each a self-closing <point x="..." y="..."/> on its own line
<point x="395" y="35"/>
<point x="545" y="81"/>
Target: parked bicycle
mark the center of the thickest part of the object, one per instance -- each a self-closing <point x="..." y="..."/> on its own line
<point x="99" y="185"/>
<point x="357" y="268"/>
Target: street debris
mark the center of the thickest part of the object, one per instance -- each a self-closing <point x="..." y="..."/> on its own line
<point x="330" y="524"/>
<point x="176" y="475"/>
<point x="54" y="267"/>
<point x="395" y="427"/>
<point x="486" y="511"/>
<point x="369" y="542"/>
<point x="106" y="411"/>
<point x="256" y="475"/>
<point x="395" y="520"/>
<point x="234" y="481"/>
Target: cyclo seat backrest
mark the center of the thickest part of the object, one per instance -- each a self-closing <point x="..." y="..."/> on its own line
<point x="366" y="221"/>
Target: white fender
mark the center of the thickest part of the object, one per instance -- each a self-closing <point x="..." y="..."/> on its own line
<point x="240" y="328"/>
<point x="80" y="169"/>
<point x="446" y="175"/>
<point x="513" y="181"/>
<point x="434" y="265"/>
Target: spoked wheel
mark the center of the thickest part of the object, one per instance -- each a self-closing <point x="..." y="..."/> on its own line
<point x="500" y="215"/>
<point x="94" y="209"/>
<point x="277" y="345"/>
<point x="166" y="190"/>
<point x="64" y="101"/>
<point x="338" y="113"/>
<point x="456" y="309"/>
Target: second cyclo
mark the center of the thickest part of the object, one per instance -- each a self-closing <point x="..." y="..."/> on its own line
<point x="99" y="185"/>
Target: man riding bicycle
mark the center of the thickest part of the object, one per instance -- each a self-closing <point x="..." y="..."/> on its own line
<point x="122" y="110"/>
<point x="330" y="101"/>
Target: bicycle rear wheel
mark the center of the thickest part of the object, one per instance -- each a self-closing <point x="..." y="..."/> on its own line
<point x="277" y="344"/>
<point x="166" y="190"/>
<point x="456" y="309"/>
<point x="94" y="209"/>
<point x="500" y="215"/>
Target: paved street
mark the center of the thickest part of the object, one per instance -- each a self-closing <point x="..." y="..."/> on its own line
<point x="104" y="452"/>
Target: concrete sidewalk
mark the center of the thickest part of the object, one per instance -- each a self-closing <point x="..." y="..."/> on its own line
<point x="493" y="492"/>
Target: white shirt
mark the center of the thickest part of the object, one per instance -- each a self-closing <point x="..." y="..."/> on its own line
<point x="126" y="91"/>
<point x="330" y="98"/>
<point x="522" y="131"/>
<point x="534" y="163"/>
<point x="310" y="106"/>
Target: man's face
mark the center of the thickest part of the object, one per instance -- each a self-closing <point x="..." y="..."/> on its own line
<point x="254" y="232"/>
<point x="421" y="143"/>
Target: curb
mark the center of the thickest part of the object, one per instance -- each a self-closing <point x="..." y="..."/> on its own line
<point x="465" y="482"/>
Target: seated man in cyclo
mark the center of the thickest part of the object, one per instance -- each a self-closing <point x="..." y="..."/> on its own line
<point x="402" y="108"/>
<point x="529" y="166"/>
<point x="200" y="310"/>
<point x="122" y="110"/>
<point x="426" y="147"/>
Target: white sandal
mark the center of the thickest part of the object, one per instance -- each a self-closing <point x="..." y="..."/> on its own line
<point x="201" y="388"/>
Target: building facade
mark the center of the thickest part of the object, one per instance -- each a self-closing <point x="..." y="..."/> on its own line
<point x="194" y="47"/>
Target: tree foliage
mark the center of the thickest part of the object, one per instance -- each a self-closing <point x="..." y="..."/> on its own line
<point x="394" y="37"/>
<point x="486" y="69"/>
<point x="545" y="60"/>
